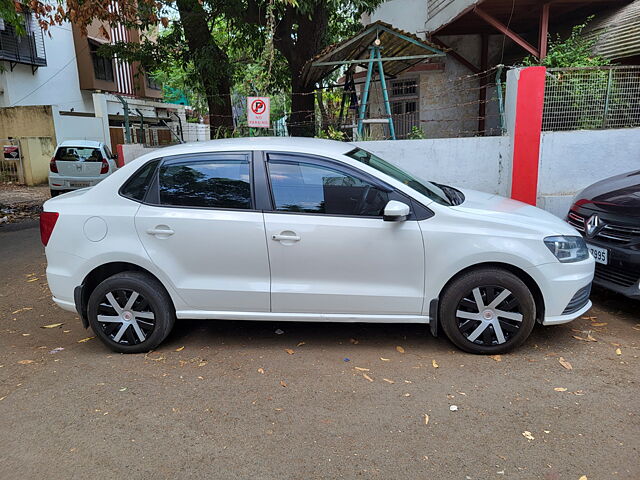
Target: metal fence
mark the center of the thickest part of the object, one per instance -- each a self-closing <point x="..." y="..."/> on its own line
<point x="592" y="98"/>
<point x="11" y="161"/>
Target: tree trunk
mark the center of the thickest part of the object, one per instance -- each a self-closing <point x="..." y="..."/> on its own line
<point x="211" y="63"/>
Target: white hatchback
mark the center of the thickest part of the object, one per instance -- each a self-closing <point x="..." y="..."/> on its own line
<point x="79" y="164"/>
<point x="306" y="230"/>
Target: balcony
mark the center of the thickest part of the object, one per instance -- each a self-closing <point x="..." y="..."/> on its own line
<point x="27" y="49"/>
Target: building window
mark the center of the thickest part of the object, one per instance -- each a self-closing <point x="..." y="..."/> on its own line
<point x="404" y="106"/>
<point x="102" y="66"/>
<point x="152" y="83"/>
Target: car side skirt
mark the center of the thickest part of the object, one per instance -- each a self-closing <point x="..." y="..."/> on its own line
<point x="302" y="317"/>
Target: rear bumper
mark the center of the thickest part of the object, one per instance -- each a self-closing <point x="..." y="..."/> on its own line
<point x="559" y="284"/>
<point x="72" y="183"/>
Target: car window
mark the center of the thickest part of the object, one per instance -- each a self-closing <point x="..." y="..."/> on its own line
<point x="78" y="154"/>
<point x="138" y="184"/>
<point x="212" y="184"/>
<point x="306" y="187"/>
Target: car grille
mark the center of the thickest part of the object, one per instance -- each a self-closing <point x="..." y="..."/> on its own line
<point x="578" y="301"/>
<point x="614" y="233"/>
<point x="624" y="277"/>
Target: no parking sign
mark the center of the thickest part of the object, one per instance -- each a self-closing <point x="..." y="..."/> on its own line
<point x="258" y="111"/>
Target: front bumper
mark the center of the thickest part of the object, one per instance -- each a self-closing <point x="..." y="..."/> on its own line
<point x="559" y="283"/>
<point x="622" y="272"/>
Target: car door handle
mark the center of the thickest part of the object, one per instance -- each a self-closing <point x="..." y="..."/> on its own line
<point x="160" y="230"/>
<point x="285" y="238"/>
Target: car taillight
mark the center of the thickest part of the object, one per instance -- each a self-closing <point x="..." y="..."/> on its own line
<point x="52" y="165"/>
<point x="47" y="222"/>
<point x="105" y="166"/>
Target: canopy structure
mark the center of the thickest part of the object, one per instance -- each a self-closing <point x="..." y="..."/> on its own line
<point x="390" y="49"/>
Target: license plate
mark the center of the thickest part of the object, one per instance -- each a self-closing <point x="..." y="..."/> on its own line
<point x="601" y="255"/>
<point x="79" y="184"/>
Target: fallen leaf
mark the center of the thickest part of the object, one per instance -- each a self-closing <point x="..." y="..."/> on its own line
<point x="527" y="434"/>
<point x="261" y="370"/>
<point x="300" y="344"/>
<point x="388" y="380"/>
<point x="202" y="363"/>
<point x="32" y="280"/>
<point x="367" y="377"/>
<point x="289" y="351"/>
<point x="361" y="369"/>
<point x="123" y="389"/>
<point x="282" y="384"/>
<point x="407" y="395"/>
<point x="85" y="339"/>
<point x="53" y="325"/>
<point x="26" y="334"/>
<point x="583" y="477"/>
<point x="156" y="359"/>
<point x="56" y="350"/>
<point x="453" y="408"/>
<point x="560" y="389"/>
<point x="588" y="339"/>
<point x="618" y="351"/>
<point x="25" y="362"/>
<point x="599" y="324"/>
<point x="497" y="358"/>
<point x="354" y="341"/>
<point x="385" y="359"/>
<point x="426" y="419"/>
<point x="179" y="349"/>
<point x="435" y="364"/>
<point x="24" y="309"/>
<point x="400" y="349"/>
<point x="565" y="364"/>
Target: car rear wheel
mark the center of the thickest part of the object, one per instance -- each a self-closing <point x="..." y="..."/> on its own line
<point x="487" y="311"/>
<point x="131" y="312"/>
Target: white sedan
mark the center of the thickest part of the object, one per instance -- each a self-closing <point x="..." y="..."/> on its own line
<point x="294" y="229"/>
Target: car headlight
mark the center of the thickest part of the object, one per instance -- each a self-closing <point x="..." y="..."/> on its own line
<point x="567" y="249"/>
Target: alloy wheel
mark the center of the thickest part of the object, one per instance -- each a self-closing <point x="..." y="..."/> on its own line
<point x="489" y="315"/>
<point x="126" y="317"/>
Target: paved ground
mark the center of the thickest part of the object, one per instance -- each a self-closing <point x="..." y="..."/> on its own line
<point x="225" y="400"/>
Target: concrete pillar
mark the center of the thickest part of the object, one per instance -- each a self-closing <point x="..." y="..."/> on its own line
<point x="524" y="104"/>
<point x="101" y="111"/>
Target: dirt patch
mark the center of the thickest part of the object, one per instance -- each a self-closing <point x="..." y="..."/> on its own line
<point x="19" y="202"/>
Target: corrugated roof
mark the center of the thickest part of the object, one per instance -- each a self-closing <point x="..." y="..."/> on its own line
<point x="394" y="43"/>
<point x="618" y="32"/>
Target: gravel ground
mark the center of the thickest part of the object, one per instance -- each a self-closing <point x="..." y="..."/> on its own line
<point x="18" y="202"/>
<point x="228" y="400"/>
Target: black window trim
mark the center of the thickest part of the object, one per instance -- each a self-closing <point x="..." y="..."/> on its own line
<point x="319" y="160"/>
<point x="130" y="178"/>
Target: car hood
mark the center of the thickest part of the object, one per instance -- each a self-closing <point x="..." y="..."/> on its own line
<point x="512" y="213"/>
<point x="619" y="194"/>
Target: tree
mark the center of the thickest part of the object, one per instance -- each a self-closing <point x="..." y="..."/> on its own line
<point x="302" y="29"/>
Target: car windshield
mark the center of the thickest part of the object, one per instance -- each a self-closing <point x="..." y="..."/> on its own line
<point x="79" y="154"/>
<point x="424" y="187"/>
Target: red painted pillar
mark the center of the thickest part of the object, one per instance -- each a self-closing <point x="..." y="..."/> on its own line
<point x="527" y="133"/>
<point x="120" y="161"/>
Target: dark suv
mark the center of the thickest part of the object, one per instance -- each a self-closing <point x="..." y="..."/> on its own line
<point x="607" y="214"/>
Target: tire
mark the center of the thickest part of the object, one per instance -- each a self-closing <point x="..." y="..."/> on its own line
<point x="55" y="193"/>
<point x="131" y="328"/>
<point x="496" y="327"/>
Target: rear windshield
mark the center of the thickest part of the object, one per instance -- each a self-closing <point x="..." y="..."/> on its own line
<point x="79" y="154"/>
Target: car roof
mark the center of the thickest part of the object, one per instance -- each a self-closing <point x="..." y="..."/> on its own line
<point x="285" y="144"/>
<point x="80" y="143"/>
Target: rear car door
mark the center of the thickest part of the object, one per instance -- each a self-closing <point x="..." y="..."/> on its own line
<point x="199" y="226"/>
<point x="330" y="250"/>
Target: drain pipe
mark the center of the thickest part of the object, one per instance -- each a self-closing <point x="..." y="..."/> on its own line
<point x="127" y="128"/>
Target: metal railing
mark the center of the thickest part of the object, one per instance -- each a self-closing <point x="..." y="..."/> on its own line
<point x="27" y="49"/>
<point x="591" y="98"/>
<point x="11" y="169"/>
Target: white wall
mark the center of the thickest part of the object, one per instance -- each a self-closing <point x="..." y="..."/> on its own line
<point x="478" y="163"/>
<point x="448" y="13"/>
<point x="78" y="128"/>
<point x="408" y="15"/>
<point x="571" y="161"/>
<point x="55" y="84"/>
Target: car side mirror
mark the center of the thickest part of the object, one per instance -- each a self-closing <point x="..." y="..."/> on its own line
<point x="396" y="211"/>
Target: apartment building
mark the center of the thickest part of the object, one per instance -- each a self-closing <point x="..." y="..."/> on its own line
<point x="56" y="85"/>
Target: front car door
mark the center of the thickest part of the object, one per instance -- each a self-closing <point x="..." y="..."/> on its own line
<point x="199" y="225"/>
<point x="330" y="250"/>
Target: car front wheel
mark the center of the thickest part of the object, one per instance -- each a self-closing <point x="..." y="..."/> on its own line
<point x="487" y="311"/>
<point x="130" y="312"/>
